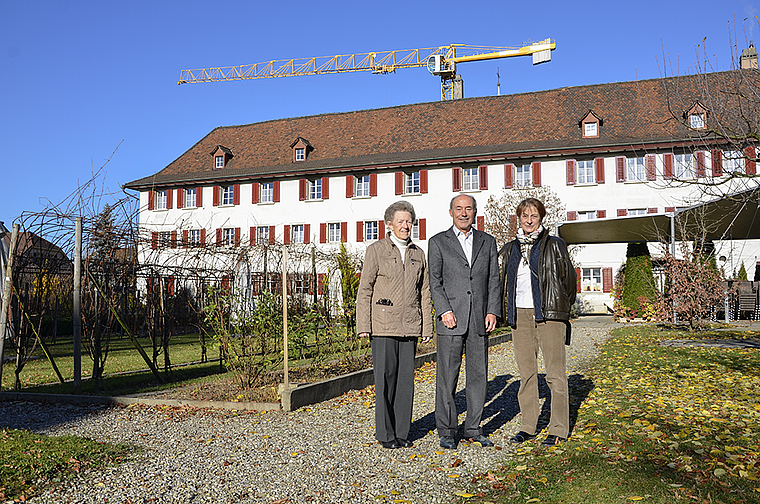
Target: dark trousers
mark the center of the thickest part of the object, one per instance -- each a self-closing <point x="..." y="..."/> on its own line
<point x="448" y="364"/>
<point x="393" y="363"/>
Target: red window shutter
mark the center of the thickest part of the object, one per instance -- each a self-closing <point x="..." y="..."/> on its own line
<point x="184" y="238"/>
<point x="399" y="182"/>
<point x="423" y="181"/>
<point x="606" y="279"/>
<point x="651" y="167"/>
<point x="535" y="169"/>
<point x="320" y="284"/>
<point x="373" y="184"/>
<point x="509" y="169"/>
<point x="512" y="225"/>
<point x="652" y="210"/>
<point x="344" y="232"/>
<point x="302" y="189"/>
<point x="572" y="215"/>
<point x="276" y="191"/>
<point x="170" y="286"/>
<point x="599" y="166"/>
<point x="670" y="209"/>
<point x="349" y="186"/>
<point x="322" y="232"/>
<point x="668" y="169"/>
<point x="359" y="231"/>
<point x="700" y="155"/>
<point x="286" y="234"/>
<point x="570" y="169"/>
<point x="199" y="197"/>
<point x="253" y="235"/>
<point x="271" y="235"/>
<point x="620" y="169"/>
<point x="577" y="279"/>
<point x="483" y="177"/>
<point x="173" y="239"/>
<point x="217" y="189"/>
<point x="219" y="237"/>
<point x="255" y="192"/>
<point x="169" y="199"/>
<point x="717" y="163"/>
<point x="307" y="233"/>
<point x="151" y="199"/>
<point x="456" y="179"/>
<point x="236" y="194"/>
<point x="601" y="214"/>
<point x="203" y="237"/>
<point x="325" y="188"/>
<point x="154" y="240"/>
<point x="180" y="197"/>
<point x="750" y="162"/>
<point x="481" y="222"/>
<point x="381" y="229"/>
<point x="622" y="212"/>
<point x="237" y="236"/>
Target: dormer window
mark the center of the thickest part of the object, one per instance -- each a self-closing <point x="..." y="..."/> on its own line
<point x="696" y="117"/>
<point x="590" y="125"/>
<point x="221" y="156"/>
<point x="697" y="121"/>
<point x="301" y="149"/>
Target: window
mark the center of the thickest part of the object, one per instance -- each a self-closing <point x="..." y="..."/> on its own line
<point x="333" y="232"/>
<point x="522" y="175"/>
<point x="218" y="162"/>
<point x="164" y="239"/>
<point x="362" y="186"/>
<point x="586" y="172"/>
<point x="684" y="168"/>
<point x="412" y="185"/>
<point x="262" y="235"/>
<point x="190" y="197"/>
<point x="590" y="215"/>
<point x="266" y="192"/>
<point x="733" y="162"/>
<point x="299" y="283"/>
<point x="470" y="180"/>
<point x="194" y="238"/>
<point x="297" y="233"/>
<point x="228" y="237"/>
<point x="315" y="189"/>
<point x="636" y="168"/>
<point x="590" y="129"/>
<point x="300" y="154"/>
<point x="415" y="234"/>
<point x="591" y="280"/>
<point x="697" y="120"/>
<point x="636" y="211"/>
<point x="371" y="230"/>
<point x="161" y="200"/>
<point x="228" y="195"/>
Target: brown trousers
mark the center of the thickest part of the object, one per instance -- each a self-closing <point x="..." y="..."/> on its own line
<point x="527" y="338"/>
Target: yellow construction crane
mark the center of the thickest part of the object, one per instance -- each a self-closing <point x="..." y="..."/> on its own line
<point x="439" y="61"/>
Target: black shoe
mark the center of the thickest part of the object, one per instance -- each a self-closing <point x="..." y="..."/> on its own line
<point x="404" y="443"/>
<point x="390" y="445"/>
<point x="448" y="442"/>
<point x="481" y="440"/>
<point x="552" y="440"/>
<point x="521" y="437"/>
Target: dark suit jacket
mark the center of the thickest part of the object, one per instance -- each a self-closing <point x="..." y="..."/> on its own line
<point x="456" y="286"/>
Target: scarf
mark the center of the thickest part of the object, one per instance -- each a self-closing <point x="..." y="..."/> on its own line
<point x="526" y="241"/>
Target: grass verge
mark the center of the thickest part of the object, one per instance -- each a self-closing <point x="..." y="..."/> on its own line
<point x="30" y="462"/>
<point x="661" y="425"/>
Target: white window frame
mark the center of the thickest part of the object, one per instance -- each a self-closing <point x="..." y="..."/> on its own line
<point x="160" y="199"/>
<point x="733" y="162"/>
<point x="586" y="171"/>
<point x="361" y="186"/>
<point x="415" y="234"/>
<point x="636" y="169"/>
<point x="590" y="129"/>
<point x="522" y="175"/>
<point x="218" y="162"/>
<point x="470" y="179"/>
<point x="591" y="280"/>
<point x="228" y="237"/>
<point x="164" y="239"/>
<point x="683" y="166"/>
<point x="297" y="233"/>
<point x="266" y="192"/>
<point x="333" y="232"/>
<point x="412" y="183"/>
<point x="697" y="120"/>
<point x="300" y="154"/>
<point x="300" y="283"/>
<point x="262" y="235"/>
<point x="371" y="230"/>
<point x="636" y="211"/>
<point x="193" y="237"/>
<point x="315" y="189"/>
<point x="228" y="195"/>
<point x="587" y="215"/>
<point x="191" y="197"/>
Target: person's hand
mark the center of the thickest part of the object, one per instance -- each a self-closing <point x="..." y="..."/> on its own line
<point x="363" y="335"/>
<point x="449" y="320"/>
<point x="490" y="322"/>
<point x="425" y="339"/>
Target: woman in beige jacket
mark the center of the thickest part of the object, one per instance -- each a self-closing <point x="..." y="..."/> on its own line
<point x="393" y="309"/>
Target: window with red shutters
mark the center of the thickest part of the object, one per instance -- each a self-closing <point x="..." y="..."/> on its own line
<point x="307" y="233"/>
<point x="700" y="155"/>
<point x="535" y="169"/>
<point x="217" y="191"/>
<point x="151" y="199"/>
<point x="236" y="194"/>
<point x="198" y="197"/>
<point x="255" y="193"/>
<point x="321" y="283"/>
<point x="154" y="240"/>
<point x="652" y="210"/>
<point x="423" y="181"/>
<point x="344" y="232"/>
<point x="422" y="228"/>
<point x="620" y="169"/>
<point x="237" y="236"/>
<point x="380" y="229"/>
<point x="651" y="167"/>
<point x="325" y="188"/>
<point x="373" y="184"/>
<point x="271" y="235"/>
<point x="570" y="171"/>
<point x="173" y="239"/>
<point x="717" y="162"/>
<point x="622" y="212"/>
<point x="203" y="237"/>
<point x="751" y="161"/>
<point x="180" y="197"/>
<point x="169" y="199"/>
<point x="303" y="189"/>
<point x="359" y="231"/>
<point x="349" y="186"/>
<point x="456" y="179"/>
<point x="399" y="178"/>
<point x="286" y="234"/>
<point x="606" y="279"/>
<point x="483" y="177"/>
<point x="322" y="232"/>
<point x="667" y="159"/>
<point x="572" y="215"/>
<point x="185" y="234"/>
<point x="276" y="191"/>
<point x="599" y="165"/>
<point x="219" y="237"/>
<point x="670" y="209"/>
<point x="509" y="170"/>
<point x="601" y="214"/>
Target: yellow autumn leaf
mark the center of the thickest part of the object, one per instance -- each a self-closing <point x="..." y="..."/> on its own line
<point x="521" y="467"/>
<point x="534" y="499"/>
<point x="635" y="498"/>
<point x="464" y="494"/>
<point x="452" y="475"/>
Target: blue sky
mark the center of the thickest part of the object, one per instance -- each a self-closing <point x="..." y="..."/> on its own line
<point x="85" y="81"/>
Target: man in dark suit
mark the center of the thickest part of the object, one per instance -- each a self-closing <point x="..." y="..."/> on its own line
<point x="466" y="293"/>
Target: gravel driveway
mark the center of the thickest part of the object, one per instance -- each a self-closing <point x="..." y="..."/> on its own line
<point x="322" y="453"/>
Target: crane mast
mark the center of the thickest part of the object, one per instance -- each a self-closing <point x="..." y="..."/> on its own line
<point x="439" y="61"/>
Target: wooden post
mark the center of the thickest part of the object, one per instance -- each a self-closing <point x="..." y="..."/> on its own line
<point x="77" y="322"/>
<point x="285" y="313"/>
<point x="7" y="296"/>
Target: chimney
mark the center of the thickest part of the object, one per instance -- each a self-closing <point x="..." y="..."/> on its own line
<point x="749" y="57"/>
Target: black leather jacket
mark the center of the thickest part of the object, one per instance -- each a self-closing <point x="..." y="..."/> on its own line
<point x="556" y="278"/>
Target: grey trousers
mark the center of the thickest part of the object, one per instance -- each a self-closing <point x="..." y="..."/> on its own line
<point x="527" y="338"/>
<point x="393" y="363"/>
<point x="448" y="364"/>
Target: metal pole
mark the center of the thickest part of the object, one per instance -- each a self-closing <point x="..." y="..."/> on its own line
<point x="285" y="312"/>
<point x="7" y="297"/>
<point x="77" y="305"/>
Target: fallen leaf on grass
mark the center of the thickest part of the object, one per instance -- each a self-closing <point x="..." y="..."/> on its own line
<point x="464" y="494"/>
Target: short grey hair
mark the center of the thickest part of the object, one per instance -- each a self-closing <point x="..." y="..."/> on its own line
<point x="472" y="198"/>
<point x="400" y="206"/>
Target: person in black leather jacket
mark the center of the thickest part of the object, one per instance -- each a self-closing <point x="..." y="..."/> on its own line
<point x="539" y="290"/>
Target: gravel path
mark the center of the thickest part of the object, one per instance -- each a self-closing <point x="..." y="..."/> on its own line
<point x="322" y="453"/>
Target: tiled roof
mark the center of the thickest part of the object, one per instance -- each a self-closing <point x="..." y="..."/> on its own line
<point x="533" y="124"/>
